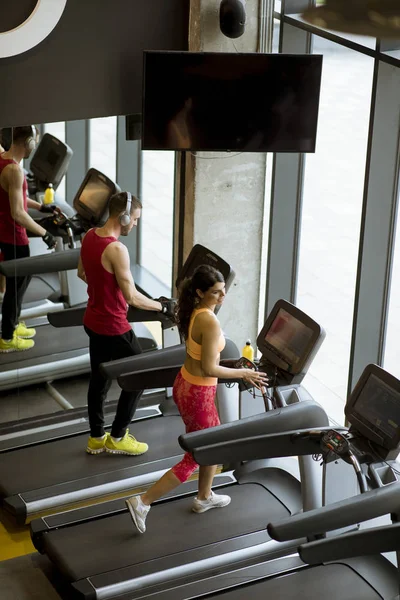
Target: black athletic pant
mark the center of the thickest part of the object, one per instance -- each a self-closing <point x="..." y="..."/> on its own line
<point x="15" y="290"/>
<point x="104" y="348"/>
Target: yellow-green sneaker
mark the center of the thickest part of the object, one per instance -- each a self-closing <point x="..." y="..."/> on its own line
<point x="96" y="445"/>
<point x="17" y="344"/>
<point x="128" y="445"/>
<point x="24" y="332"/>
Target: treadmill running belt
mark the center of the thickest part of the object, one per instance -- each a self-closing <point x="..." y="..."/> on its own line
<point x="66" y="459"/>
<point x="49" y="343"/>
<point x="111" y="543"/>
<point x="327" y="581"/>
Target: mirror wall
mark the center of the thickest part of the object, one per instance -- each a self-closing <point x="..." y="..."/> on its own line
<point x="98" y="144"/>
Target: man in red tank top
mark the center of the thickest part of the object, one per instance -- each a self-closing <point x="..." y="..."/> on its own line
<point x="104" y="265"/>
<point x="14" y="242"/>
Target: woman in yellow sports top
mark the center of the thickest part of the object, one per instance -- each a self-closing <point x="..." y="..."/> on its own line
<point x="195" y="387"/>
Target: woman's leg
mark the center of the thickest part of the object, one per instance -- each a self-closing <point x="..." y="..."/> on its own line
<point x="197" y="408"/>
<point x="206" y="476"/>
<point x="167" y="483"/>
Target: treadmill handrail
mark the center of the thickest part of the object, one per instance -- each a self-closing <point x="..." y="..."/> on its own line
<point x="43" y="263"/>
<point x="260" y="445"/>
<point x="153" y="361"/>
<point x="72" y="317"/>
<point x="348" y="545"/>
<point x="149" y="378"/>
<point x="363" y="507"/>
<point x="221" y="444"/>
<point x="132" y="367"/>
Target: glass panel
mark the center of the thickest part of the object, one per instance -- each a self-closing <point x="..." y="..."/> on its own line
<point x="363" y="40"/>
<point x="333" y="192"/>
<point x="391" y="357"/>
<point x="157" y="219"/>
<point x="103" y="145"/>
<point x="394" y="54"/>
<point x="275" y="35"/>
<point x="56" y="129"/>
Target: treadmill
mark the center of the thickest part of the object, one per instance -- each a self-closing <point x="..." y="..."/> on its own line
<point x="57" y="353"/>
<point x="40" y="486"/>
<point x="347" y="564"/>
<point x="101" y="554"/>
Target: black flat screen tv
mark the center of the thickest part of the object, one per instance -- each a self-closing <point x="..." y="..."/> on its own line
<point x="216" y="101"/>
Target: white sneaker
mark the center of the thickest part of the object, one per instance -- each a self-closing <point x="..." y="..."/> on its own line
<point x="138" y="512"/>
<point x="213" y="501"/>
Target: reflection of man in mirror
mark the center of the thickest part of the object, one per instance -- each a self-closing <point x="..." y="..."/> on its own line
<point x="178" y="128"/>
<point x="14" y="242"/>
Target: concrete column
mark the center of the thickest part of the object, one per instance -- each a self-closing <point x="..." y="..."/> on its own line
<point x="224" y="194"/>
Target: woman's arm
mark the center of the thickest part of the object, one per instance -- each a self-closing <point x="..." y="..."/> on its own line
<point x="211" y="332"/>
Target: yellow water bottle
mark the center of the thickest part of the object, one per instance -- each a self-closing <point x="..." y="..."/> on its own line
<point x="248" y="351"/>
<point x="49" y="195"/>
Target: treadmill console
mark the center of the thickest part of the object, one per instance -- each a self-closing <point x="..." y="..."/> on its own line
<point x="200" y="255"/>
<point x="288" y="342"/>
<point x="91" y="200"/>
<point x="49" y="162"/>
<point x="373" y="410"/>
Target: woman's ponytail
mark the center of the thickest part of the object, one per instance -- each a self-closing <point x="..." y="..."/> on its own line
<point x="186" y="304"/>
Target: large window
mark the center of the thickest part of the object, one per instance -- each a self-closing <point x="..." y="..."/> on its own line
<point x="103" y="145"/>
<point x="331" y="215"/>
<point x="391" y="359"/>
<point x="156" y="224"/>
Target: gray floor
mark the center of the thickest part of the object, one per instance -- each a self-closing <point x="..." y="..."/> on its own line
<point x="25" y="403"/>
<point x="75" y="389"/>
<point x="31" y="401"/>
<point x="24" y="578"/>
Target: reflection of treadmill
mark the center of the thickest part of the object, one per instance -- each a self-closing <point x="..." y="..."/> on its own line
<point x="48" y="165"/>
<point x="60" y="473"/>
<point x="57" y="353"/>
<point x="347" y="566"/>
<point x="125" y="561"/>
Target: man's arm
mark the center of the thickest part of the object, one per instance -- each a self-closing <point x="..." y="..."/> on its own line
<point x="15" y="181"/>
<point x="118" y="257"/>
<point x="33" y="204"/>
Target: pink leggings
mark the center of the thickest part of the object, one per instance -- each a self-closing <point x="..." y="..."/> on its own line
<point x="196" y="404"/>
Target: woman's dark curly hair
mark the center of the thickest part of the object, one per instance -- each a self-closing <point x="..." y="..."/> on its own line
<point x="203" y="278"/>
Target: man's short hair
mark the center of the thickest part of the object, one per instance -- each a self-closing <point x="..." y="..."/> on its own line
<point x="117" y="204"/>
<point x="20" y="134"/>
<point x="6" y="137"/>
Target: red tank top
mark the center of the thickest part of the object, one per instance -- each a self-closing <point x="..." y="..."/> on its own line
<point x="106" y="312"/>
<point x="10" y="231"/>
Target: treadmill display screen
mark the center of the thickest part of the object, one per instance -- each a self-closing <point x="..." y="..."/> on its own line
<point x="289" y="338"/>
<point x="95" y="195"/>
<point x="378" y="407"/>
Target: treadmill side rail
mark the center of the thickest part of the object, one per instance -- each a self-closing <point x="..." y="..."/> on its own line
<point x="234" y="439"/>
<point x="44" y="263"/>
<point x="349" y="545"/>
<point x="165" y="357"/>
<point x="364" y="507"/>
